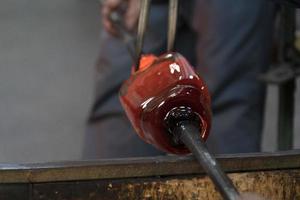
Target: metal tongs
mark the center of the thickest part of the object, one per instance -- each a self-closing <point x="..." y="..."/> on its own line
<point x="188" y="134"/>
<point x="135" y="45"/>
<point x="143" y="22"/>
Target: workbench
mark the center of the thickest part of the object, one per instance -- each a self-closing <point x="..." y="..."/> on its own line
<point x="273" y="175"/>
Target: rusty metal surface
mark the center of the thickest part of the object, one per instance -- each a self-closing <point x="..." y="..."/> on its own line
<point x="142" y="167"/>
<point x="273" y="185"/>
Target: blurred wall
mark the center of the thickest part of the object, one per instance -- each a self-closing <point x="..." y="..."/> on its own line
<point x="47" y="54"/>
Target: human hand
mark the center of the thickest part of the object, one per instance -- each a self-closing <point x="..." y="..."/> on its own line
<point x="129" y="10"/>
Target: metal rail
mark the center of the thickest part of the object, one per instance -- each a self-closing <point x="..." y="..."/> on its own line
<point x="142" y="167"/>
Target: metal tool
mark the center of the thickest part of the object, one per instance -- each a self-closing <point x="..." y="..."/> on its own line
<point x="185" y="128"/>
<point x="142" y="26"/>
<point x="173" y="13"/>
<point x="143" y="22"/>
<point x="129" y="39"/>
<point x="189" y="135"/>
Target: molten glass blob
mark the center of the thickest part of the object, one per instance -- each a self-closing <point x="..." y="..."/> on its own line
<point x="161" y="85"/>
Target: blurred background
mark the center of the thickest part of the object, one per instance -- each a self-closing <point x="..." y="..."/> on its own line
<point x="48" y="50"/>
<point x="47" y="53"/>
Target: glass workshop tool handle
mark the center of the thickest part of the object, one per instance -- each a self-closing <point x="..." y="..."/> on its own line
<point x="189" y="135"/>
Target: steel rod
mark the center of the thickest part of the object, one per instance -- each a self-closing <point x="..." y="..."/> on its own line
<point x="173" y="13"/>
<point x="142" y="25"/>
<point x="189" y="135"/>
